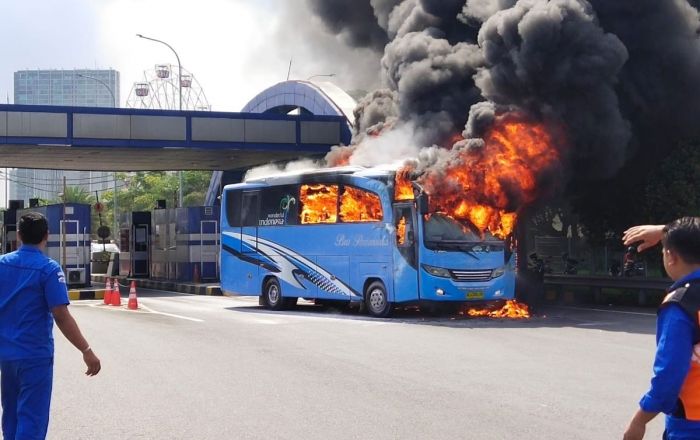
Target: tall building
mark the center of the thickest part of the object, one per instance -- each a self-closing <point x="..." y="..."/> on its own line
<point x="80" y="87"/>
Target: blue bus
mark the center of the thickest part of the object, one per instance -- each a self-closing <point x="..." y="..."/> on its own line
<point x="345" y="234"/>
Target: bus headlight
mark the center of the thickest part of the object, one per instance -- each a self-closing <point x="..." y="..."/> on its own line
<point x="498" y="272"/>
<point x="437" y="271"/>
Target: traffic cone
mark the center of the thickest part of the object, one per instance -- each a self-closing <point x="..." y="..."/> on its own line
<point x="195" y="276"/>
<point x="133" y="301"/>
<point x="116" y="295"/>
<point x="108" y="292"/>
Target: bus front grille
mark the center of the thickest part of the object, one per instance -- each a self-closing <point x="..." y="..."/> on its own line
<point x="471" y="275"/>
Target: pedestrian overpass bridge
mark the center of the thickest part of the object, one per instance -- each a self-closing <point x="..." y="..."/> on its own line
<point x="116" y="139"/>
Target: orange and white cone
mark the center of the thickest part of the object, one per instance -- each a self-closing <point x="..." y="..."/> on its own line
<point x="108" y="292"/>
<point x="133" y="301"/>
<point x="116" y="295"/>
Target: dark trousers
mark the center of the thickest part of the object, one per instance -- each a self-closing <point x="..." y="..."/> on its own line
<point x="26" y="398"/>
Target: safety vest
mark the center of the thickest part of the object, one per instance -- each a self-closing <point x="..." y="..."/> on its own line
<point x="688" y="297"/>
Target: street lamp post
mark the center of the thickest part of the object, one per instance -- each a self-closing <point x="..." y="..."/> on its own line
<point x="109" y="89"/>
<point x="114" y="174"/>
<point x="179" y="89"/>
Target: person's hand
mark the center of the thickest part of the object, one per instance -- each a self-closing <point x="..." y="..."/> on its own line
<point x="635" y="431"/>
<point x="92" y="362"/>
<point x="648" y="235"/>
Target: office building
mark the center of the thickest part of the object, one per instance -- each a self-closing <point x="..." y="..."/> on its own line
<point x="79" y="87"/>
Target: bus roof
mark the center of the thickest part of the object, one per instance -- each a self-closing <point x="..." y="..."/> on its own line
<point x="293" y="177"/>
<point x="283" y="176"/>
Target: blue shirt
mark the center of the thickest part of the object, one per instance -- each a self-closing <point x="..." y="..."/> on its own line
<point x="31" y="284"/>
<point x="674" y="348"/>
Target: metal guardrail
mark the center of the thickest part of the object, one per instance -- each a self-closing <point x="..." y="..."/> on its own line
<point x="599" y="281"/>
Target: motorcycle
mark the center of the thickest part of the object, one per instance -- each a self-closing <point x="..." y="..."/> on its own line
<point x="539" y="265"/>
<point x="570" y="264"/>
<point x="631" y="265"/>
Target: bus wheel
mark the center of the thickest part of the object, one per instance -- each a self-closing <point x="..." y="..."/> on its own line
<point x="273" y="295"/>
<point x="377" y="300"/>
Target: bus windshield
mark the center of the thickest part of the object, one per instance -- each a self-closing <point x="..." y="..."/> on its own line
<point x="445" y="232"/>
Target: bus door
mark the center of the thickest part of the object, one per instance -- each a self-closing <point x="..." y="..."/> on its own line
<point x="406" y="285"/>
<point x="250" y="213"/>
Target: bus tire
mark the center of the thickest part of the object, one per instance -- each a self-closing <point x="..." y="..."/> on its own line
<point x="377" y="300"/>
<point x="272" y="294"/>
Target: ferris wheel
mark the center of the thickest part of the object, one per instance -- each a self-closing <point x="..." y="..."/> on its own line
<point x="159" y="90"/>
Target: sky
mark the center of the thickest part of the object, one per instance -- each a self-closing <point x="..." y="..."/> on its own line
<point x="234" y="48"/>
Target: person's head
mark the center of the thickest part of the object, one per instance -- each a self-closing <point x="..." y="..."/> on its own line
<point x="33" y="228"/>
<point x="681" y="246"/>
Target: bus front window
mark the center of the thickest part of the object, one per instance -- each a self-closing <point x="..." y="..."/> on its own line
<point x="443" y="232"/>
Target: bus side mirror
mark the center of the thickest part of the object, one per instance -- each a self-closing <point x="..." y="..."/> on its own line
<point x="423" y="203"/>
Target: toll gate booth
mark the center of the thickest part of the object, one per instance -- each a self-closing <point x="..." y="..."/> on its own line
<point x="163" y="245"/>
<point x="9" y="241"/>
<point x="135" y="244"/>
<point x="69" y="239"/>
<point x="197" y="244"/>
<point x="186" y="244"/>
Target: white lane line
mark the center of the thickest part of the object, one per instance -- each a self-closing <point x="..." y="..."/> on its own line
<point x="622" y="312"/>
<point x="142" y="309"/>
<point x="172" y="315"/>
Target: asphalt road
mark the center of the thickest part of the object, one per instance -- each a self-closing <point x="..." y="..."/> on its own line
<point x="192" y="367"/>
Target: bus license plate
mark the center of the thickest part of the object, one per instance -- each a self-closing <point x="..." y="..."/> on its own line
<point x="475" y="295"/>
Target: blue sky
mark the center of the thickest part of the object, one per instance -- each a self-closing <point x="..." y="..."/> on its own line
<point x="235" y="48"/>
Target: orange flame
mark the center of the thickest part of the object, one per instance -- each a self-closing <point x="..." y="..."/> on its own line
<point x="403" y="189"/>
<point x="488" y="185"/>
<point x="511" y="309"/>
<point x="319" y="204"/>
<point x="357" y="205"/>
<point x="401" y="231"/>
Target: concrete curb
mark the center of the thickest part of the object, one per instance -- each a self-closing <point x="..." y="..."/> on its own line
<point x="192" y="289"/>
<point x="75" y="295"/>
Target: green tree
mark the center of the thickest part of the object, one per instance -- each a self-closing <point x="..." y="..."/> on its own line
<point x="139" y="191"/>
<point x="76" y="194"/>
<point x="674" y="187"/>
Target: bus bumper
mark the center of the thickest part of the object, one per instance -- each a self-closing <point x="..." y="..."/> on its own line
<point x="448" y="290"/>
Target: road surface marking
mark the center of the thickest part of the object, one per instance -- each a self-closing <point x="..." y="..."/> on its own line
<point x="172" y="315"/>
<point x="606" y="311"/>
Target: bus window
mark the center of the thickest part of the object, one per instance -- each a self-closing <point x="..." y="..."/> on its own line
<point x="358" y="205"/>
<point x="318" y="203"/>
<point x="249" y="209"/>
<point x="278" y="206"/>
<point x="233" y="208"/>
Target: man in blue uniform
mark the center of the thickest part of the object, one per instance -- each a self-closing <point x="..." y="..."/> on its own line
<point x="675" y="387"/>
<point x="32" y="295"/>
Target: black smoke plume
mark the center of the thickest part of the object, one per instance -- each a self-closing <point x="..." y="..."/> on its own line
<point x="619" y="76"/>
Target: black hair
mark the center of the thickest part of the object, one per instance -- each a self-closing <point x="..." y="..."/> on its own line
<point x="683" y="237"/>
<point x="33" y="228"/>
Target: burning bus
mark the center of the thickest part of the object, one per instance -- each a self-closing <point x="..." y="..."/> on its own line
<point x="365" y="236"/>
